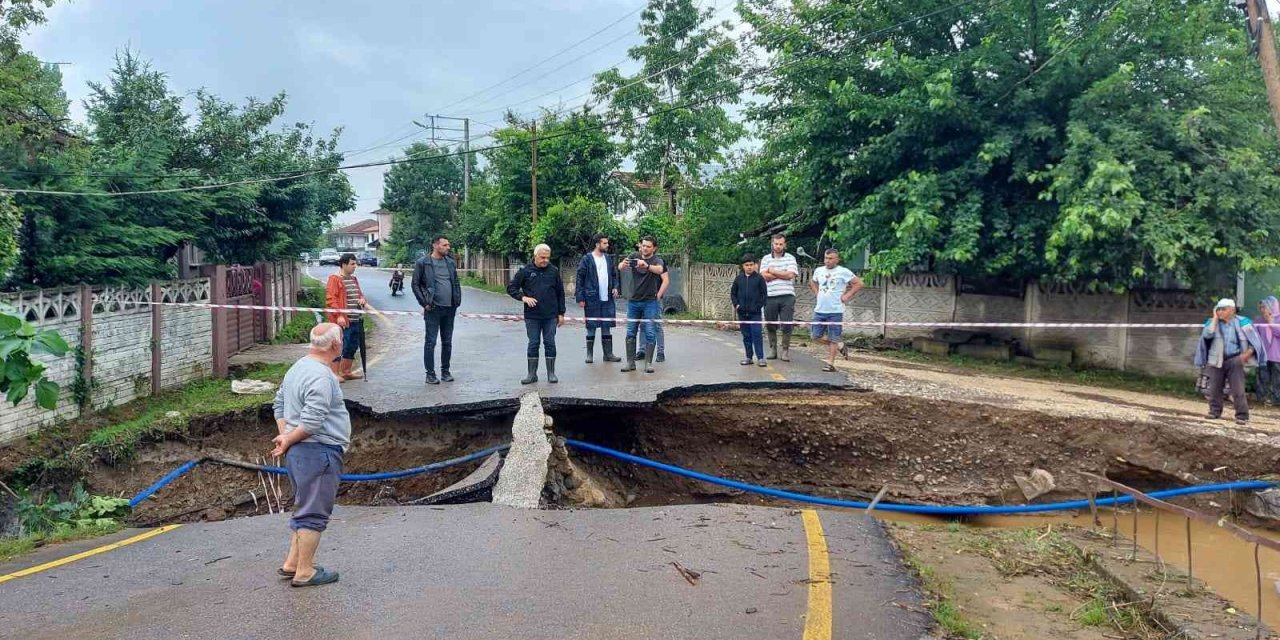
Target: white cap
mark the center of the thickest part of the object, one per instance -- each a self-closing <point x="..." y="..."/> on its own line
<point x="1225" y="303"/>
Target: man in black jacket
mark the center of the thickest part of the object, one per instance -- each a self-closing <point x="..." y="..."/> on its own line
<point x="539" y="287"/>
<point x="596" y="288"/>
<point x="438" y="290"/>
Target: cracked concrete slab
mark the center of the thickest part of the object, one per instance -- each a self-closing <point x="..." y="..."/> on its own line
<point x="525" y="471"/>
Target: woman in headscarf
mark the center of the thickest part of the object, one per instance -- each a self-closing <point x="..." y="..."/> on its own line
<point x="1269" y="333"/>
<point x="1227" y="344"/>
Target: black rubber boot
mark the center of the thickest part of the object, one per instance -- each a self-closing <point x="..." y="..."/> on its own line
<point x="551" y="371"/>
<point x="631" y="355"/>
<point x="648" y="359"/>
<point x="533" y="372"/>
<point x="606" y="345"/>
<point x="591" y="347"/>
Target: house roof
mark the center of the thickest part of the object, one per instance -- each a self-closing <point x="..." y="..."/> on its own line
<point x="359" y="228"/>
<point x="380" y="211"/>
<point x="629" y="179"/>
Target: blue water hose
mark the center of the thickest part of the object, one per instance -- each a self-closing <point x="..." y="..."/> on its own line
<point x="935" y="510"/>
<point x="346" y="477"/>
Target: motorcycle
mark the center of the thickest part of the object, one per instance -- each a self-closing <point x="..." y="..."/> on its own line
<point x="397" y="282"/>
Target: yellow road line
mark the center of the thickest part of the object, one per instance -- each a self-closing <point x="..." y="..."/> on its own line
<point x="85" y="554"/>
<point x="817" y="619"/>
<point x="777" y="377"/>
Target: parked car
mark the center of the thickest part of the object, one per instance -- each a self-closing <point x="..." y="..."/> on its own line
<point x="329" y="257"/>
<point x="367" y="260"/>
<point x="305" y="257"/>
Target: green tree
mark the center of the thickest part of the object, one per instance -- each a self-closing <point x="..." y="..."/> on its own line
<point x="686" y="62"/>
<point x="424" y="193"/>
<point x="568" y="227"/>
<point x="1094" y="141"/>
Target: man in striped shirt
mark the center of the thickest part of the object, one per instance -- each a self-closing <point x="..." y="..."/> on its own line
<point x="779" y="269"/>
<point x="342" y="291"/>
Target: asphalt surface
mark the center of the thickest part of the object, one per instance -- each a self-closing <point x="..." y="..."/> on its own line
<point x="481" y="571"/>
<point x="489" y="361"/>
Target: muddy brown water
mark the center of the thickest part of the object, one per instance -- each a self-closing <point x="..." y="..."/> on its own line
<point x="1223" y="561"/>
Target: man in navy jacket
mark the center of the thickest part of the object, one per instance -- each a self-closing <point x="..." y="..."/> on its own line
<point x="596" y="289"/>
<point x="539" y="287"/>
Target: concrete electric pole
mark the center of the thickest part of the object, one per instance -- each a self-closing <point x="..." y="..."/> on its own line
<point x="533" y="130"/>
<point x="1264" y="42"/>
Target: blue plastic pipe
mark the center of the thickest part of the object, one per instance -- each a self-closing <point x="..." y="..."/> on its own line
<point x="346" y="477"/>
<point x="162" y="482"/>
<point x="936" y="510"/>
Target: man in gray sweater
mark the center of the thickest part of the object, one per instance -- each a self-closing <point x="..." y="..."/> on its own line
<point x="314" y="433"/>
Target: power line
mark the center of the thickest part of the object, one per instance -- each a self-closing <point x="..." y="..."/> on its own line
<point x="574" y="131"/>
<point x="552" y="57"/>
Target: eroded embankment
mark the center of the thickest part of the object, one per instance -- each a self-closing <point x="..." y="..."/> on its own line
<point x="849" y="444"/>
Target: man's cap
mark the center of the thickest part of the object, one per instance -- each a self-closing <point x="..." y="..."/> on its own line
<point x="1225" y="303"/>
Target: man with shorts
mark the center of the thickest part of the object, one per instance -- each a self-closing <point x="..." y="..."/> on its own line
<point x="834" y="286"/>
<point x="314" y="431"/>
<point x="596" y="290"/>
<point x="780" y="269"/>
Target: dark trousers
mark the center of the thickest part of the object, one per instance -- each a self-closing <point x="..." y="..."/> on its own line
<point x="1232" y="371"/>
<point x="752" y="336"/>
<point x="541" y="330"/>
<point x="1269" y="383"/>
<point x="439" y="321"/>
<point x="780" y="308"/>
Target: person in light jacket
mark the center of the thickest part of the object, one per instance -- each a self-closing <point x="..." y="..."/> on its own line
<point x="1227" y="343"/>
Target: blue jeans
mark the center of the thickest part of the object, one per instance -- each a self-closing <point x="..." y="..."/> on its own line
<point x="661" y="341"/>
<point x="752" y="335"/>
<point x="541" y="330"/>
<point x="643" y="310"/>
<point x="351" y="338"/>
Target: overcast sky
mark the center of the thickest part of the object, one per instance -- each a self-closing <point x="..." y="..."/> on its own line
<point x="371" y="68"/>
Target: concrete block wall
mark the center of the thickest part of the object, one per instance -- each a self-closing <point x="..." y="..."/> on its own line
<point x="923" y="297"/>
<point x="121" y="346"/>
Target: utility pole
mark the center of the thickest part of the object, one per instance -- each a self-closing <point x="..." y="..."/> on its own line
<point x="533" y="130"/>
<point x="1264" y="41"/>
<point x="466" y="159"/>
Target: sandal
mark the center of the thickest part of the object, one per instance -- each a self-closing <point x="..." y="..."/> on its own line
<point x="828" y="368"/>
<point x="285" y="574"/>
<point x="321" y="576"/>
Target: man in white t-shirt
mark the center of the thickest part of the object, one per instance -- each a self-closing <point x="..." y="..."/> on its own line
<point x="834" y="286"/>
<point x="779" y="269"/>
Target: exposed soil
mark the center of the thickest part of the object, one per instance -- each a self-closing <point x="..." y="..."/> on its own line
<point x="215" y="492"/>
<point x="850" y="444"/>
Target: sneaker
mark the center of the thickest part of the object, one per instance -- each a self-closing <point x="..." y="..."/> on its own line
<point x="1242" y="422"/>
<point x="1210" y="416"/>
<point x="445" y="376"/>
<point x="745" y="363"/>
<point x="662" y="357"/>
<point x="431" y="378"/>
<point x="762" y="363"/>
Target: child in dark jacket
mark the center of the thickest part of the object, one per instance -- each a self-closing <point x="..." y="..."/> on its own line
<point x="748" y="295"/>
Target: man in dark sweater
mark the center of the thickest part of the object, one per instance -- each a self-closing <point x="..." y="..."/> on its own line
<point x="439" y="292"/>
<point x="539" y="287"/>
<point x="646" y="276"/>
<point x="748" y="294"/>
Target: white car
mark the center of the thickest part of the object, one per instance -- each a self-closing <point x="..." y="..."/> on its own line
<point x="329" y="257"/>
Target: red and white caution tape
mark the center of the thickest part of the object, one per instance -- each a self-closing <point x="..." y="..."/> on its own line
<point x="512" y="317"/>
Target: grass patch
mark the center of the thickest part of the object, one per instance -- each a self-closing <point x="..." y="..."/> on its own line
<point x="1032" y="551"/>
<point x="14" y="547"/>
<point x="298" y="330"/>
<point x="477" y="283"/>
<point x="1175" y="386"/>
<point x="941" y="594"/>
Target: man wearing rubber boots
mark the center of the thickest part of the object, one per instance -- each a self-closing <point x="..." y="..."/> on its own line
<point x="780" y="269"/>
<point x="539" y="287"/>
<point x="646" y="272"/>
<point x="596" y="289"/>
<point x="314" y="431"/>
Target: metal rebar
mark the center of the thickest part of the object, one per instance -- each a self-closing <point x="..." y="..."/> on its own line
<point x="1093" y="508"/>
<point x="1257" y="567"/>
<point x="1115" y="519"/>
<point x="1159" y="562"/>
<point x="1135" y="531"/>
<point x="1190" y="585"/>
